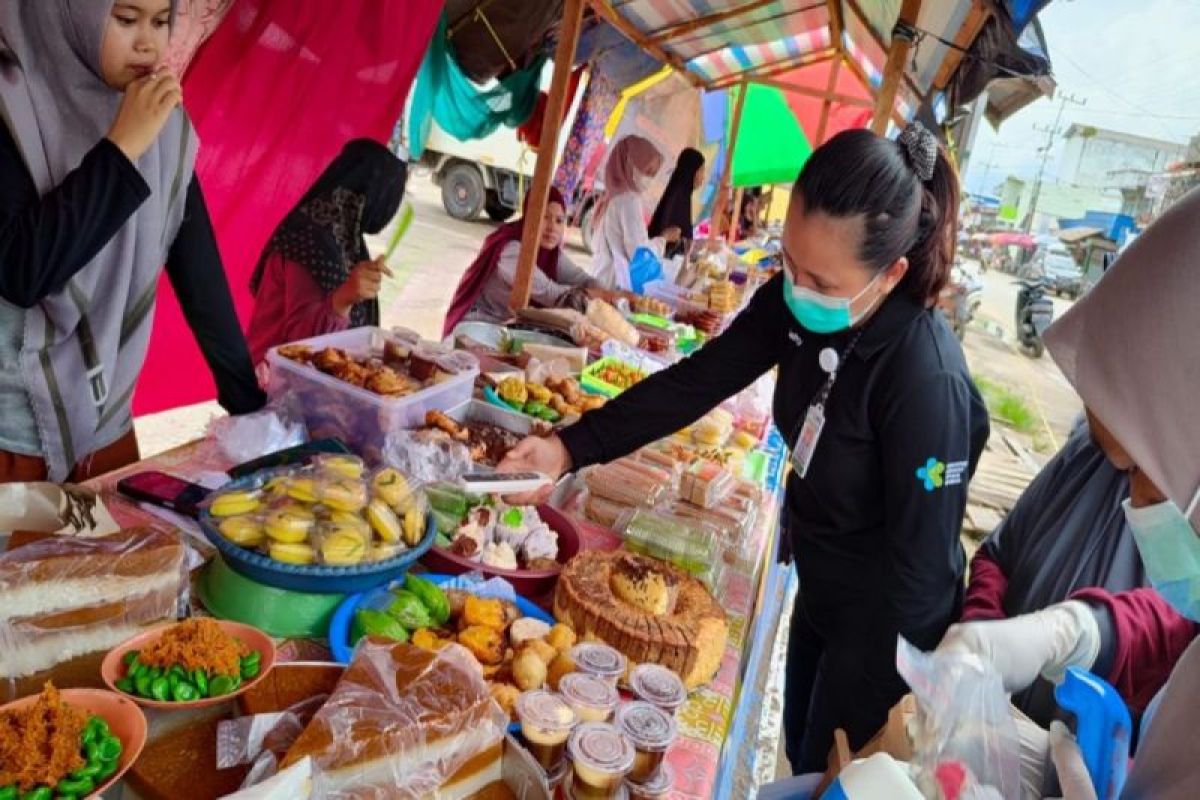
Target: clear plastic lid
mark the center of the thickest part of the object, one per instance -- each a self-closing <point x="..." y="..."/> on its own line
<point x="647" y="726"/>
<point x="658" y="685"/>
<point x="583" y="690"/>
<point x="596" y="658"/>
<point x="600" y="747"/>
<point x="653" y="789"/>
<point x="545" y="711"/>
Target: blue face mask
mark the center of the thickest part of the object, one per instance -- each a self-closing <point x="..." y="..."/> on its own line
<point x="1170" y="550"/>
<point x="820" y="313"/>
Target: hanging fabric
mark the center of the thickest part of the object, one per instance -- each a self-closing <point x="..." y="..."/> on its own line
<point x="464" y="110"/>
<point x="531" y="132"/>
<point x="581" y="153"/>
<point x="347" y="72"/>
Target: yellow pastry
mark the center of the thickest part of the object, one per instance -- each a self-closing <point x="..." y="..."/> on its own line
<point x="344" y="495"/>
<point x="349" y="467"/>
<point x="414" y="525"/>
<point x="343" y="547"/>
<point x="293" y="553"/>
<point x="382" y="552"/>
<point x="234" y="504"/>
<point x="290" y="524"/>
<point x="348" y="519"/>
<point x="244" y="531"/>
<point x="302" y="489"/>
<point x="383" y="520"/>
<point x="392" y="488"/>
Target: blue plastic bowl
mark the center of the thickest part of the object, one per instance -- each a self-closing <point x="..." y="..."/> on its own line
<point x="339" y="626"/>
<point x="312" y="578"/>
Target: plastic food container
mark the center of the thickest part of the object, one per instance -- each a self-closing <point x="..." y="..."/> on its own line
<point x="659" y="686"/>
<point x="591" y="380"/>
<point x="600" y="660"/>
<point x="546" y="723"/>
<point x="591" y="697"/>
<point x="361" y="418"/>
<point x="600" y="759"/>
<point x="657" y="788"/>
<point x="651" y="731"/>
<point x="686" y="544"/>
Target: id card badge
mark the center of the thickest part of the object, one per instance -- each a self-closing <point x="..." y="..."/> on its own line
<point x="806" y="442"/>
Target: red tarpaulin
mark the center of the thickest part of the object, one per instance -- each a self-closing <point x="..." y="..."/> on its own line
<point x="807" y="109"/>
<point x="274" y="94"/>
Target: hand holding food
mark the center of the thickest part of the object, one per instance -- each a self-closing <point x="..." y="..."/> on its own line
<point x="145" y="108"/>
<point x="547" y="456"/>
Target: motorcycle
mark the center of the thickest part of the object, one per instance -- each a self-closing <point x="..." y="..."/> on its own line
<point x="1034" y="313"/>
<point x="960" y="300"/>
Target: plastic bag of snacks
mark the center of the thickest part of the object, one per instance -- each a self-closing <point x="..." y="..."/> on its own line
<point x="426" y="458"/>
<point x="249" y="436"/>
<point x="332" y="512"/>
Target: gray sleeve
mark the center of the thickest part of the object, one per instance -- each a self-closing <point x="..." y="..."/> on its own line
<point x="571" y="274"/>
<point x="543" y="291"/>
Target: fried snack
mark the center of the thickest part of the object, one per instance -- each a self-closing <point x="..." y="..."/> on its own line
<point x="457" y="599"/>
<point x="389" y="383"/>
<point x="540" y="647"/>
<point x="560" y="666"/>
<point x="527" y="628"/>
<point x="330" y="359"/>
<point x="488" y="613"/>
<point x="485" y="643"/>
<point x="561" y="637"/>
<point x="590" y="402"/>
<point x="297" y="352"/>
<point x="529" y="671"/>
<point x="426" y="639"/>
<point x="437" y="419"/>
<point x="512" y="390"/>
<point x="505" y="695"/>
<point x="538" y="393"/>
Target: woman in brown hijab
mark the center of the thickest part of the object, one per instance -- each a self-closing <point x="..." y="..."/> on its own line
<point x="1130" y="349"/>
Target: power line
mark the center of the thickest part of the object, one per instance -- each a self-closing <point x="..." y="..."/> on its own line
<point x="1051" y="132"/>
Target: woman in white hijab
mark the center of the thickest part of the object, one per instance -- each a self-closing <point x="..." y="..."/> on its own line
<point x="1130" y="349"/>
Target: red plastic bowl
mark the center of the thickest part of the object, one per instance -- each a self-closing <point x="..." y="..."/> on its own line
<point x="532" y="583"/>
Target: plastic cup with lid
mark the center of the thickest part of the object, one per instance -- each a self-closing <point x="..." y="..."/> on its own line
<point x="659" y="685"/>
<point x="546" y="723"/>
<point x="597" y="658"/>
<point x="651" y="731"/>
<point x="657" y="788"/>
<point x="593" y="698"/>
<point x="600" y="758"/>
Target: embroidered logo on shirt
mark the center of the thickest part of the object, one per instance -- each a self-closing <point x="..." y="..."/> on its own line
<point x="937" y="474"/>
<point x="796" y="338"/>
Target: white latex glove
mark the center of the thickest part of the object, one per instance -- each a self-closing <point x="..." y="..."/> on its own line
<point x="1034" y="755"/>
<point x="1043" y="643"/>
<point x="1073" y="776"/>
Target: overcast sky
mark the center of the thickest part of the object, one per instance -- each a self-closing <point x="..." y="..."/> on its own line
<point x="1136" y="62"/>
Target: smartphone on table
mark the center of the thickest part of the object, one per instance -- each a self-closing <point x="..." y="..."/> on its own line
<point x="160" y="489"/>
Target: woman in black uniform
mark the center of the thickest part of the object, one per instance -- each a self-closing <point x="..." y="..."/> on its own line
<point x="876" y="401"/>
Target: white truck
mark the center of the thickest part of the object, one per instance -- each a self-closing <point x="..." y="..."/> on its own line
<point x="481" y="175"/>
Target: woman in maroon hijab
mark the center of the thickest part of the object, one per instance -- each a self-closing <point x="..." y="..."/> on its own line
<point x="483" y="292"/>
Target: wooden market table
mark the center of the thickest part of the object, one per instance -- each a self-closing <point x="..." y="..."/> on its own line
<point x="719" y="725"/>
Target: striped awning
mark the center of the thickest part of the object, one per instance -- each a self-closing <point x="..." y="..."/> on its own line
<point x="722" y="42"/>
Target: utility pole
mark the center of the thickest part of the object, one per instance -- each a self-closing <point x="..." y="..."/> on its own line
<point x="1050" y="132"/>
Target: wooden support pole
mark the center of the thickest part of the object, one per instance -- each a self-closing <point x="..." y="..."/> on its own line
<point x="827" y="106"/>
<point x="893" y="72"/>
<point x="718" y="216"/>
<point x="606" y="12"/>
<point x="539" y="191"/>
<point x="735" y="219"/>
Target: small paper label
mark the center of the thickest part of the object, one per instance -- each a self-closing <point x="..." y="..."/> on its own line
<point x="806" y="442"/>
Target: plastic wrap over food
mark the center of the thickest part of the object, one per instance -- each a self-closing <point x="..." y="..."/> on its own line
<point x="249" y="436"/>
<point x="404" y="723"/>
<point x="293" y="783"/>
<point x="65" y="597"/>
<point x="962" y="721"/>
<point x="425" y="457"/>
<point x="629" y="481"/>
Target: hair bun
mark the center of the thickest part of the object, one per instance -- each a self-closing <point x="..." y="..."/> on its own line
<point x="920" y="149"/>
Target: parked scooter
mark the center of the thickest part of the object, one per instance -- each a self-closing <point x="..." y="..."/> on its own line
<point x="1034" y="313"/>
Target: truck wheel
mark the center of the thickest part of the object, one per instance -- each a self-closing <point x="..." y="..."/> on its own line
<point x="463" y="195"/>
<point x="585" y="226"/>
<point x="497" y="211"/>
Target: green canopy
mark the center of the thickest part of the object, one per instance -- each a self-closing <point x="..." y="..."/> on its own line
<point x="771" y="145"/>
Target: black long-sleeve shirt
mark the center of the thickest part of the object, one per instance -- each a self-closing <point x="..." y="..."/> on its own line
<point x="875" y="523"/>
<point x="47" y="239"/>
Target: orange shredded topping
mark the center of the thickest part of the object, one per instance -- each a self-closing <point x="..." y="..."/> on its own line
<point x="41" y="743"/>
<point x="196" y="643"/>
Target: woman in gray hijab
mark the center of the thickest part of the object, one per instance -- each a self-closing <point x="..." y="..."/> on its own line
<point x="1129" y="349"/>
<point x="97" y="192"/>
